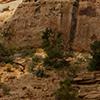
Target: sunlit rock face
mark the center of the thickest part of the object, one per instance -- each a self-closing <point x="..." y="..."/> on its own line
<point x="88" y="27"/>
<point x="7" y="9"/>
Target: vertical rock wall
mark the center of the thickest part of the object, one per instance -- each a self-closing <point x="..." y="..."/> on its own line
<point x="88" y="27"/>
<point x="31" y="18"/>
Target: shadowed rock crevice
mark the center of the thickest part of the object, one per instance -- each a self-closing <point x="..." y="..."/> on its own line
<point x="73" y="23"/>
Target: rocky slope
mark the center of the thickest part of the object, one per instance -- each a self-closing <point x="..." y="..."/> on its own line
<point x="16" y="84"/>
<point x="22" y="85"/>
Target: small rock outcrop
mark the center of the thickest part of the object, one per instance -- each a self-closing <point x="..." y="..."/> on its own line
<point x="88" y="85"/>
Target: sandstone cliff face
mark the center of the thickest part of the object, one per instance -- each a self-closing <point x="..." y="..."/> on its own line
<point x="78" y="20"/>
<point x="31" y="18"/>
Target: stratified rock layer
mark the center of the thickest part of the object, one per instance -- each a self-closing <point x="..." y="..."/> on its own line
<point x="88" y="85"/>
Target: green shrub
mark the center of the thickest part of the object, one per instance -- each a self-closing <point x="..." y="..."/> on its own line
<point x="95" y="61"/>
<point x="6" y="32"/>
<point x="54" y="46"/>
<point x="39" y="73"/>
<point x="26" y="51"/>
<point x="5" y="88"/>
<point x="36" y="66"/>
<point x="33" y="64"/>
<point x="5" y="54"/>
<point x="66" y="91"/>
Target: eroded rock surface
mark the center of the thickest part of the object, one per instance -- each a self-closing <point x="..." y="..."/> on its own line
<point x="80" y="25"/>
